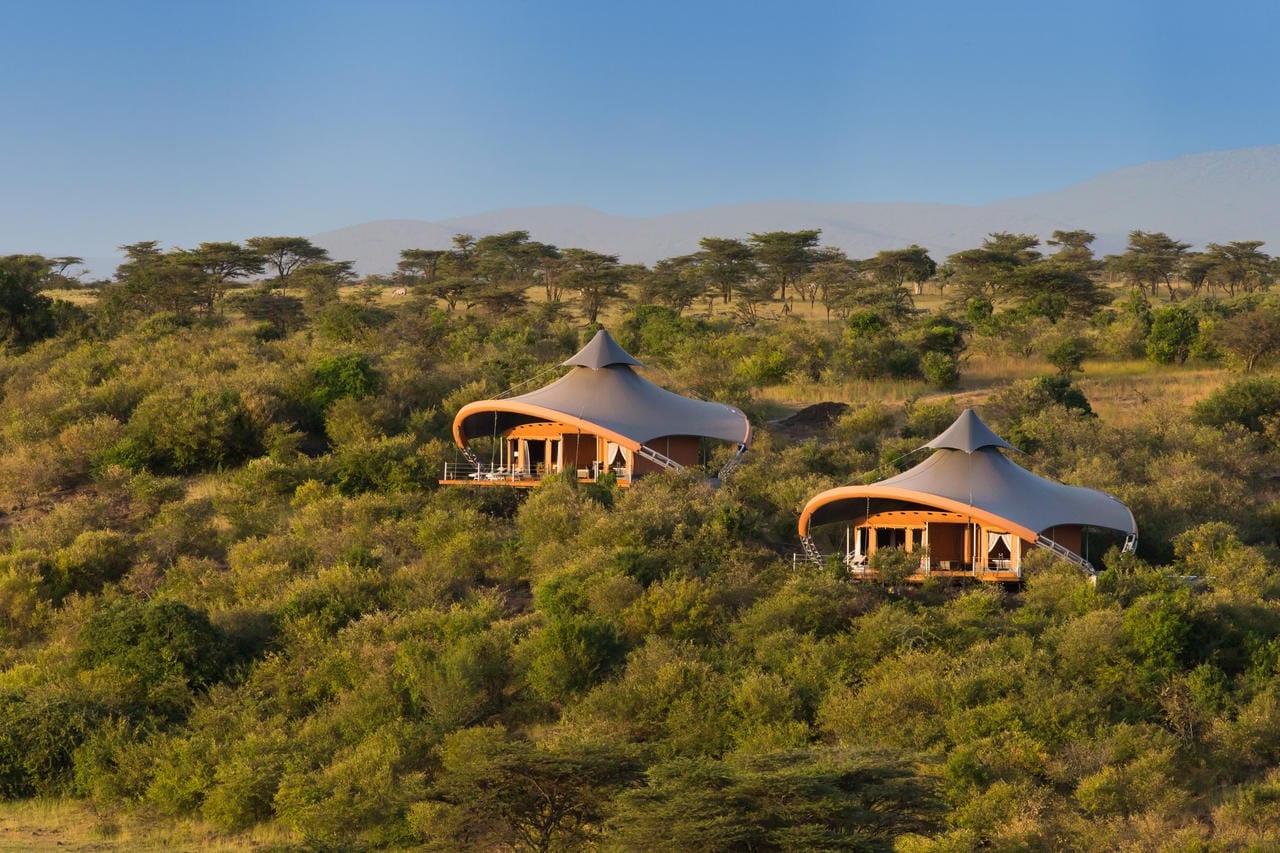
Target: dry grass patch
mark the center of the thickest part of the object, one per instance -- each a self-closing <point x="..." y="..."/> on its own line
<point x="68" y="826"/>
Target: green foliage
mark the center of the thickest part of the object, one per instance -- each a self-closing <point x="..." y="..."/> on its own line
<point x="1012" y="409"/>
<point x="339" y="376"/>
<point x="39" y="733"/>
<point x="231" y="590"/>
<point x="571" y="654"/>
<point x="1250" y="403"/>
<point x="1068" y="354"/>
<point x="1174" y="329"/>
<point x="818" y="799"/>
<point x="496" y="791"/>
<point x="26" y="315"/>
<point x="942" y="370"/>
<point x="162" y="650"/>
<point x="182" y="430"/>
<point x="893" y="565"/>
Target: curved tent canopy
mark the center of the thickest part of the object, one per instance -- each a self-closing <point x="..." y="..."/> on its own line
<point x="605" y="396"/>
<point x="969" y="475"/>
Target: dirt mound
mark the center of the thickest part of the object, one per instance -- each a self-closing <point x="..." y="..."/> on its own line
<point x="811" y="420"/>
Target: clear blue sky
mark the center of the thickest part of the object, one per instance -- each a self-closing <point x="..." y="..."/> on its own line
<point x="187" y="121"/>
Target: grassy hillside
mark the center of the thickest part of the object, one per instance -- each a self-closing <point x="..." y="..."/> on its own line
<point x="237" y="611"/>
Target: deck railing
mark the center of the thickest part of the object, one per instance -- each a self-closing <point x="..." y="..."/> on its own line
<point x="858" y="567"/>
<point x="483" y="474"/>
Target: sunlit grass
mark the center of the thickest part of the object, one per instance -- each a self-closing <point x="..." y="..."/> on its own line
<point x="41" y="825"/>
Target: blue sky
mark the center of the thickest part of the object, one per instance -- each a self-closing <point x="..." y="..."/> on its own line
<point x="190" y="121"/>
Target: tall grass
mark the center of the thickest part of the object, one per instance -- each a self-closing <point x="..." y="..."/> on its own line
<point x="47" y="825"/>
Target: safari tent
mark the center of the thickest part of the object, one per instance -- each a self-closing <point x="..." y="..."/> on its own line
<point x="602" y="416"/>
<point x="966" y="510"/>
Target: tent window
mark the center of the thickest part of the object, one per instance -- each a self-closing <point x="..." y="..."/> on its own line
<point x="890" y="537"/>
<point x="1000" y="546"/>
<point x="615" y="454"/>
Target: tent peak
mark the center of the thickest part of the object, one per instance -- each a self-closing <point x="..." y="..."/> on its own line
<point x="968" y="433"/>
<point x="601" y="351"/>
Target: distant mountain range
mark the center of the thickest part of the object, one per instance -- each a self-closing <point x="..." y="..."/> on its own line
<point x="1214" y="197"/>
<point x="1201" y="198"/>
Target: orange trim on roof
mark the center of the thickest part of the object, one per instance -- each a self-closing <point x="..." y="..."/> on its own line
<point x="844" y="493"/>
<point x="552" y="415"/>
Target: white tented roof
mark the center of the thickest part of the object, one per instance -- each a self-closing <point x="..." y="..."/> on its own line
<point x="969" y="471"/>
<point x="604" y="391"/>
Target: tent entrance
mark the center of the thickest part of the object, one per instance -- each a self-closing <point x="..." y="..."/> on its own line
<point x="947" y="546"/>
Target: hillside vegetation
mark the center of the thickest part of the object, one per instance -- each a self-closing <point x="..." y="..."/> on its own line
<point x="236" y="608"/>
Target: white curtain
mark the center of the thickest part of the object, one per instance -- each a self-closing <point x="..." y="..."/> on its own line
<point x="994" y="538"/>
<point x="615" y="454"/>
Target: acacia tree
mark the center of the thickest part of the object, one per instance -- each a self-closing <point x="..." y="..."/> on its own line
<point x="321" y="281"/>
<point x="988" y="271"/>
<point x="503" y="267"/>
<point x="1252" y="336"/>
<point x="286" y="254"/>
<point x="804" y="799"/>
<point x="1052" y="289"/>
<point x="1241" y="265"/>
<point x="26" y="315"/>
<point x="784" y="256"/>
<point x="420" y="266"/>
<point x="1074" y="250"/>
<point x="898" y="266"/>
<point x="725" y="263"/>
<point x="1151" y="258"/>
<point x="673" y="282"/>
<point x="457" y="272"/>
<point x="151" y="280"/>
<point x="492" y="791"/>
<point x="836" y="278"/>
<point x="596" y="279"/>
<point x="221" y="263"/>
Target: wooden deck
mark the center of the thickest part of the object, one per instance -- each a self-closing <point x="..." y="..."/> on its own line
<point x="990" y="575"/>
<point x="467" y="474"/>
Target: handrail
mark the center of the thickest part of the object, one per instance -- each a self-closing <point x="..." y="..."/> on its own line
<point x="657" y="458"/>
<point x="1072" y="557"/>
<point x="732" y="464"/>
<point x="483" y="473"/>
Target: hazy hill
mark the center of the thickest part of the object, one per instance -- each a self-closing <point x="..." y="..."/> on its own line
<point x="1212" y="197"/>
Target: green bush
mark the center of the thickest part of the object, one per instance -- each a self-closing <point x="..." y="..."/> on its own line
<point x="338" y="376"/>
<point x="166" y="647"/>
<point x="942" y="370"/>
<point x="1174" y="330"/>
<point x="39" y="733"/>
<point x="182" y="430"/>
<point x="1251" y="403"/>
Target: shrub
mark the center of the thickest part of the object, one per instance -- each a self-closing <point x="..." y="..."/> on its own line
<point x="942" y="370"/>
<point x="1174" y="329"/>
<point x="338" y="376"/>
<point x="571" y="654"/>
<point x="166" y="646"/>
<point x="38" y="735"/>
<point x="181" y="430"/>
<point x="1068" y="354"/>
<point x="1247" y="402"/>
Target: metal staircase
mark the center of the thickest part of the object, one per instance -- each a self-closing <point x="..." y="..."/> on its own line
<point x="811" y="552"/>
<point x="732" y="464"/>
<point x="658" y="459"/>
<point x="1070" y="556"/>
